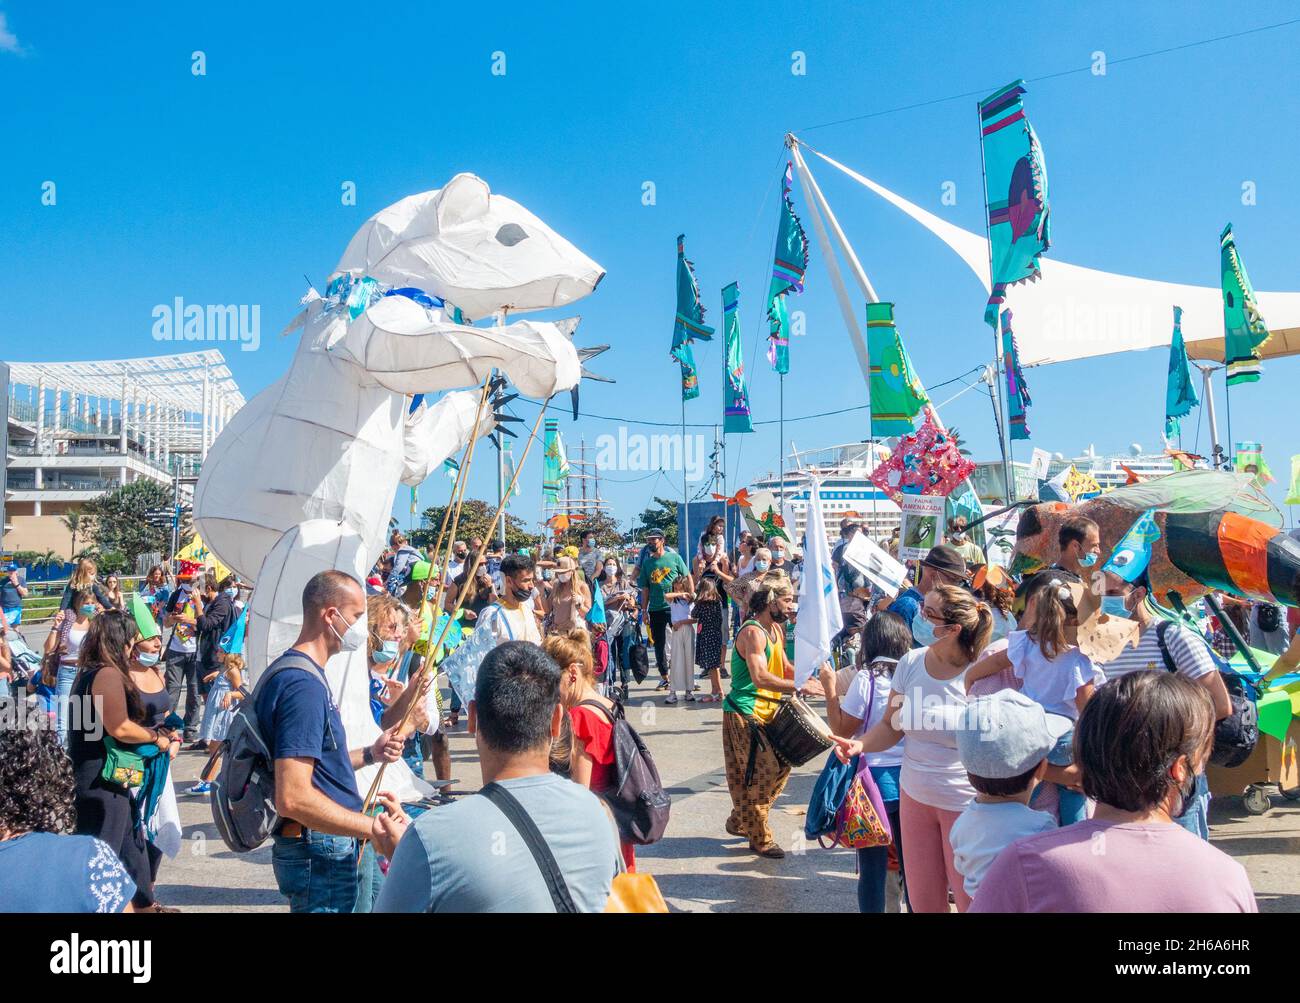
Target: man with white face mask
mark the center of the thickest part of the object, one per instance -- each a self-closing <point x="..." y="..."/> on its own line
<point x="314" y="856"/>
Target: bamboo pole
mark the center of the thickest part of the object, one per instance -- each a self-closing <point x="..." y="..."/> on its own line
<point x="418" y="679"/>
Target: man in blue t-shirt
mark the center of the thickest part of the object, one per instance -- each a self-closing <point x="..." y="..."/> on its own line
<point x="12" y="593"/>
<point x="315" y="848"/>
<point x="470" y="856"/>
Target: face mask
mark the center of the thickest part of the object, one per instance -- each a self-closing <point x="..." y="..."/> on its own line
<point x="778" y="555"/>
<point x="1087" y="560"/>
<point x="461" y="558"/>
<point x="1114" y="606"/>
<point x="385" y="654"/>
<point x="923" y="630"/>
<point x="231" y="592"/>
<point x="87" y="610"/>
<point x="521" y="594"/>
<point x="1186" y="798"/>
<point x="563" y="577"/>
<point x="148" y="658"/>
<point x="354" y="637"/>
<point x="430" y="593"/>
<point x="611" y="569"/>
<point x="709" y="549"/>
<point x="959" y="535"/>
<point x="760" y="565"/>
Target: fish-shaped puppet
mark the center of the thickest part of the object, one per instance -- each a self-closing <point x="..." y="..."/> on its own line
<point x="1217" y="532"/>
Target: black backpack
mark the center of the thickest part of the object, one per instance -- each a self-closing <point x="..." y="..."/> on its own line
<point x="243" y="793"/>
<point x="638" y="659"/>
<point x="637" y="799"/>
<point x="1236" y="735"/>
<point x="1268" y="618"/>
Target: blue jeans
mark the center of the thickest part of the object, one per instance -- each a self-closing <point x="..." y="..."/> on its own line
<point x="62" y="696"/>
<point x="1196" y="819"/>
<point x="369" y="876"/>
<point x="873" y="866"/>
<point x="413" y="755"/>
<point x="1072" y="806"/>
<point x="316" y="872"/>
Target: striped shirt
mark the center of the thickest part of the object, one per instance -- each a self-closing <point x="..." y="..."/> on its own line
<point x="1190" y="655"/>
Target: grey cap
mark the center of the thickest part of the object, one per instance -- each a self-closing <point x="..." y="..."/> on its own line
<point x="1006" y="734"/>
<point x="651" y="533"/>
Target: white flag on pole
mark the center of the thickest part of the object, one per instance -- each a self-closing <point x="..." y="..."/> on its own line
<point x="819" y="605"/>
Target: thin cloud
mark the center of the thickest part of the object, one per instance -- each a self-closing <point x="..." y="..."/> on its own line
<point x="8" y="40"/>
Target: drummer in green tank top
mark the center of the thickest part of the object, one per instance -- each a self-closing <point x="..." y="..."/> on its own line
<point x="755" y="777"/>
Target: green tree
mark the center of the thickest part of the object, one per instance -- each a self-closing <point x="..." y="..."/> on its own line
<point x="475" y="520"/>
<point x="120" y="530"/>
<point x="49" y="559"/>
<point x="75" y="522"/>
<point x="661" y="516"/>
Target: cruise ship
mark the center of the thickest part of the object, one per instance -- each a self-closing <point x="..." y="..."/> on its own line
<point x="1107" y="470"/>
<point x="844" y="473"/>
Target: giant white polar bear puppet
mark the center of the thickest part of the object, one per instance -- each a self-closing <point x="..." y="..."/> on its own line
<point x="304" y="476"/>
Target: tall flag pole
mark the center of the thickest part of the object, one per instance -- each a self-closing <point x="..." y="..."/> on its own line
<point x="897" y="395"/>
<point x="687" y="327"/>
<point x="1180" y="392"/>
<point x="1017" y="390"/>
<point x="1016" y="218"/>
<point x="789" y="263"/>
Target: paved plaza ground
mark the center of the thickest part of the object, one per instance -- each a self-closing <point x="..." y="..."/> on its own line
<point x="697" y="865"/>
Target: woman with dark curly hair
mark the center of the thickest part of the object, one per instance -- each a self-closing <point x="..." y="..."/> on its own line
<point x="120" y="700"/>
<point x="41" y="869"/>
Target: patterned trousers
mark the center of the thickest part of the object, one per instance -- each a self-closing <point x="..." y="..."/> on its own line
<point x="750" y="802"/>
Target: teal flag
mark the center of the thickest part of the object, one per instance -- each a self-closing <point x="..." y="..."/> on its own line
<point x="1244" y="330"/>
<point x="690" y="375"/>
<point x="1017" y="390"/>
<point x="555" y="465"/>
<point x="1015" y="194"/>
<point x="689" y="323"/>
<point x="788" y="266"/>
<point x="736" y="417"/>
<point x="897" y="396"/>
<point x="1133" y="552"/>
<point x="1180" y="391"/>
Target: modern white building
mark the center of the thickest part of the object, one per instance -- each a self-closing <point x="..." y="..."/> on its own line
<point x="77" y="429"/>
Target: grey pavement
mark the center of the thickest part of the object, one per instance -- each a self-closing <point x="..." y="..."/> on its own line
<point x="697" y="865"/>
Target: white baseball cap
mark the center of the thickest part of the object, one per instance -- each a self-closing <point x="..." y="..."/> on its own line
<point x="1005" y="734"/>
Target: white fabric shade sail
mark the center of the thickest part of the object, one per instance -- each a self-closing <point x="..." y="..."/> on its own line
<point x="1072" y="312"/>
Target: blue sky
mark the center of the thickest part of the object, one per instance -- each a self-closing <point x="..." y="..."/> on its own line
<point x="225" y="188"/>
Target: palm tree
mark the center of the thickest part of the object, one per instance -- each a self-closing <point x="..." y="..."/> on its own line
<point x="49" y="559"/>
<point x="74" y="523"/>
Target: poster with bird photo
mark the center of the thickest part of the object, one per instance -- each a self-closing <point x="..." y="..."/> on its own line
<point x="922" y="525"/>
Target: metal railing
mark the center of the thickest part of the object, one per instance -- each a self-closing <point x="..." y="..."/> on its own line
<point x="43" y="598"/>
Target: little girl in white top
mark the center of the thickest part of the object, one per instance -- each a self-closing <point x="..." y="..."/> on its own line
<point x="1052" y="670"/>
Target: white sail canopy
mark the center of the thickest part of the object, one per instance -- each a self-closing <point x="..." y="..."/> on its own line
<point x="1073" y="312"/>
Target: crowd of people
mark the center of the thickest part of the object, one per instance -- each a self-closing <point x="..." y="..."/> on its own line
<point x="998" y="751"/>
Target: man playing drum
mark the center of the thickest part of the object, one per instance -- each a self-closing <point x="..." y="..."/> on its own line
<point x="760" y="673"/>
